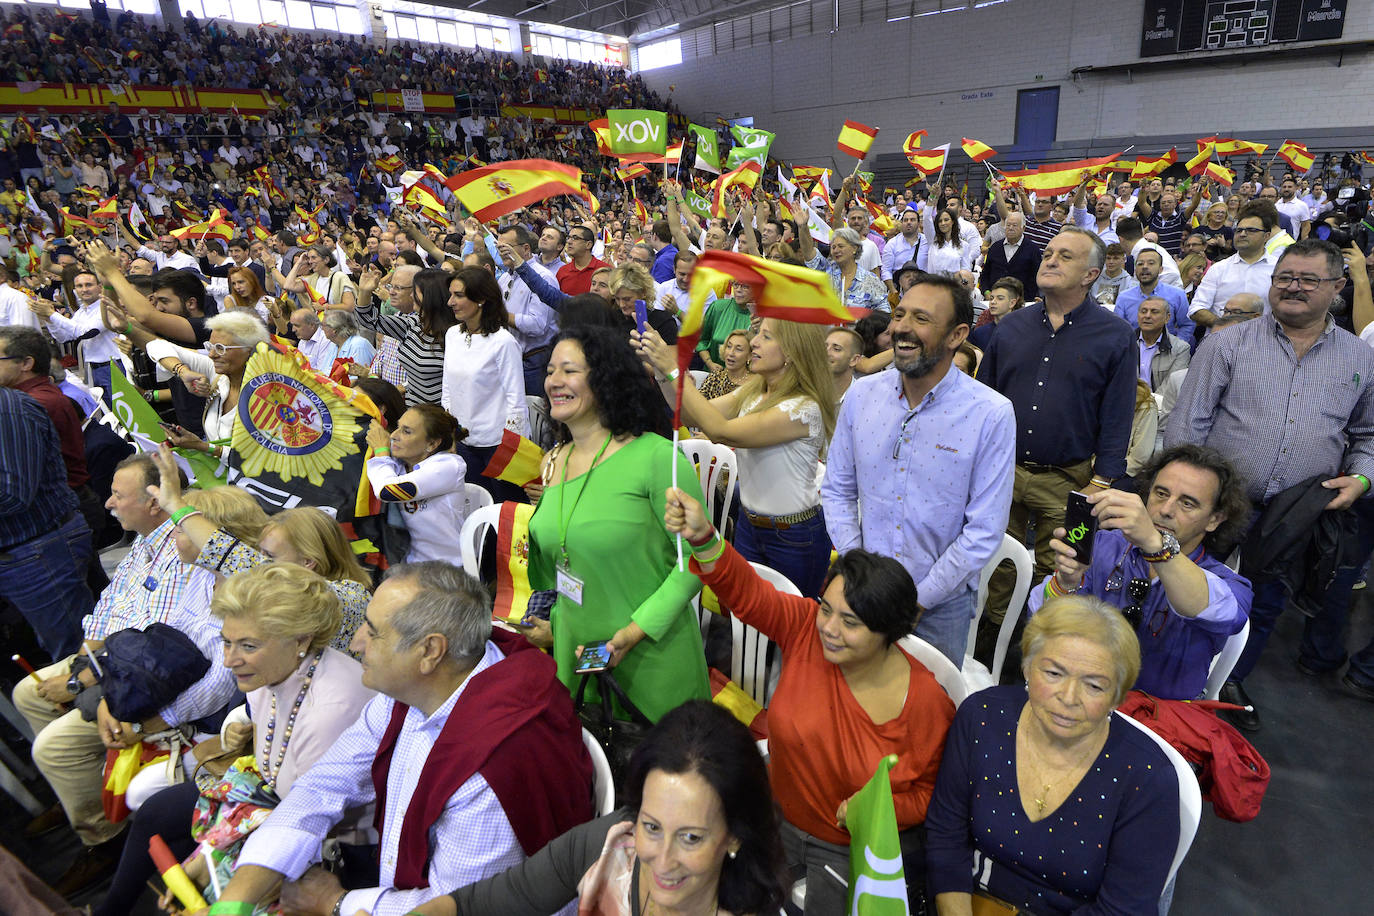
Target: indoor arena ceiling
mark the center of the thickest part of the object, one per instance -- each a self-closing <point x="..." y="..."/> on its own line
<point x="633" y="19"/>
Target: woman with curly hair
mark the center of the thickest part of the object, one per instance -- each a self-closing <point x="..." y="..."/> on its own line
<point x="598" y="534"/>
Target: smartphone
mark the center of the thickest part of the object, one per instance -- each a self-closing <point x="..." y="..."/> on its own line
<point x="1080" y="527"/>
<point x="172" y="428"/>
<point x="641" y="315"/>
<point x="595" y="657"/>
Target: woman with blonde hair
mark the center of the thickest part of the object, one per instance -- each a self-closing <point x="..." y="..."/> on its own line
<point x="248" y="538"/>
<point x="779" y="422"/>
<point x="734" y="369"/>
<point x="631" y="283"/>
<point x="1027" y="767"/>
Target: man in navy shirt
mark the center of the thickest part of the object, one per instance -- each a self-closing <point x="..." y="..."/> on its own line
<point x="661" y="240"/>
<point x="1068" y="366"/>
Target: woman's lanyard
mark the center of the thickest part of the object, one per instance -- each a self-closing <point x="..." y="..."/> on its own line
<point x="564" y="520"/>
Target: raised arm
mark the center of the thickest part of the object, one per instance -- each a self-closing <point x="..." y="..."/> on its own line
<point x="1197" y="199"/>
<point x="102" y="260"/>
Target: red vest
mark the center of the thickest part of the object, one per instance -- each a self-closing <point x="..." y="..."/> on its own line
<point x="514" y="723"/>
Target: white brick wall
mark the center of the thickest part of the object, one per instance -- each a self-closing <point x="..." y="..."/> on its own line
<point x="936" y="72"/>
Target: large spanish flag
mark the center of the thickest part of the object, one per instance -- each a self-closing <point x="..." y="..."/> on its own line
<point x="929" y="161"/>
<point x="1230" y="146"/>
<point x="1058" y="177"/>
<point x="977" y="150"/>
<point x="516" y="460"/>
<point x="1148" y="166"/>
<point x="513" y="587"/>
<point x="495" y="190"/>
<point x="855" y="139"/>
<point x="1296" y="155"/>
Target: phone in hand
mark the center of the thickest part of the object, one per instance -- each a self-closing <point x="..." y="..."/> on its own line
<point x="641" y="315"/>
<point x="1080" y="527"/>
<point x="595" y="657"/>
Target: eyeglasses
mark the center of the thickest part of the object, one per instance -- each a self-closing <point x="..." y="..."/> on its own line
<point x="1138" y="590"/>
<point x="1237" y="312"/>
<point x="219" y="349"/>
<point x="393" y="286"/>
<point x="1306" y="284"/>
<point x="1246" y="230"/>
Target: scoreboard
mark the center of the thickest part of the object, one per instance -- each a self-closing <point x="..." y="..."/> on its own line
<point x="1182" y="26"/>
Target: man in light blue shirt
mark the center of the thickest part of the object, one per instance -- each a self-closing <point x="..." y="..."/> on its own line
<point x="1148" y="266"/>
<point x="927" y="454"/>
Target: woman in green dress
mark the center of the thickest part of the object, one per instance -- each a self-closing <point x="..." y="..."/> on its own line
<point x="597" y="536"/>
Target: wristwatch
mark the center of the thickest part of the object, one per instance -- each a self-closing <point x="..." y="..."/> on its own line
<point x="1169" y="549"/>
<point x="74" y="685"/>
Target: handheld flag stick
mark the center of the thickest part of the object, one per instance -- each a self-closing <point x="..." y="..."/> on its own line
<point x="682" y="567"/>
<point x="1270" y="163"/>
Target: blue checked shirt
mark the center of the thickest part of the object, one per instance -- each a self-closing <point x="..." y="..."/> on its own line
<point x="146" y="587"/>
<point x="192" y="616"/>
<point x="934" y="481"/>
<point x="472" y="839"/>
<point x="1279" y="421"/>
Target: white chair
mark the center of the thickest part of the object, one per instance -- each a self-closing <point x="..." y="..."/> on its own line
<point x="749" y="648"/>
<point x="474" y="533"/>
<point x="1224" y="662"/>
<point x="698" y="376"/>
<point x="603" y="783"/>
<point x="474" y="498"/>
<point x="976" y="675"/>
<point x="712" y="460"/>
<point x="1189" y="797"/>
<point x="934" y="660"/>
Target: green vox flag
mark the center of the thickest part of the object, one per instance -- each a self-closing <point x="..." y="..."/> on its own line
<point x="877" y="885"/>
<point x="140" y="420"/>
<point x="708" y="151"/>
<point x="697" y="204"/>
<point x="637" y="131"/>
<point x="750" y="143"/>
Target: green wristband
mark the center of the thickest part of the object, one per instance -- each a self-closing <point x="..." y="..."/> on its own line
<point x="1362" y="479"/>
<point x="182" y="513"/>
<point x="231" y="908"/>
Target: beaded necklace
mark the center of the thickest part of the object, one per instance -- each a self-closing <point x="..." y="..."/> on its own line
<point x="271" y="773"/>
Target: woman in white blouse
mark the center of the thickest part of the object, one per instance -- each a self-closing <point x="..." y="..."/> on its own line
<point x="779" y="423"/>
<point x="233" y="337"/>
<point x="483" y="384"/>
<point x="415" y="473"/>
<point x="944" y="251"/>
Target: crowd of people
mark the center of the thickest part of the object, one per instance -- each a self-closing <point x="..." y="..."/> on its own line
<point x="1188" y="364"/>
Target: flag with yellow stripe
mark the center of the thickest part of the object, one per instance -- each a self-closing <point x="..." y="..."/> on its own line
<point x="492" y="191"/>
<point x="856" y="139"/>
<point x="513" y="587"/>
<point x="516" y="460"/>
<point x="977" y="150"/>
<point x="1296" y="155"/>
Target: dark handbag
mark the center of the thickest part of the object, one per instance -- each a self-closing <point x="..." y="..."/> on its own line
<point x="617" y="737"/>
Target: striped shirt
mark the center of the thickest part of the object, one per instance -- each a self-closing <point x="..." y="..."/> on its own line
<point x="1279" y="420"/>
<point x="421" y="356"/>
<point x="34" y="496"/>
<point x="216" y="686"/>
<point x="145" y="588"/>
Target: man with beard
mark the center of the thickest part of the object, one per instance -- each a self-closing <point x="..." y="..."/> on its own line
<point x="928" y="454"/>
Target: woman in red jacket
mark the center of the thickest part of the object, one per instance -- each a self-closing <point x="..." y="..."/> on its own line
<point x="847" y="696"/>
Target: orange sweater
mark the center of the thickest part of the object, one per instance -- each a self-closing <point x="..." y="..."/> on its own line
<point x="822" y="746"/>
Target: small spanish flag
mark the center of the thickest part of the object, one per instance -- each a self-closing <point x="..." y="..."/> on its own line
<point x="217" y="226"/>
<point x="977" y="150"/>
<point x="260" y="232"/>
<point x="1220" y="174"/>
<point x="747" y="175"/>
<point x="391" y="163"/>
<point x="516" y="460"/>
<point x="495" y="190"/>
<point x="601" y="128"/>
<point x="418" y="195"/>
<point x="106" y="209"/>
<point x="313" y="296"/>
<point x="513" y="587"/>
<point x="929" y="162"/>
<point x="630" y="171"/>
<point x="856" y="139"/>
<point x="71" y="220"/>
<point x="1198" y="164"/>
<point x="1229" y="146"/>
<point x="14" y="31"/>
<point x="54" y="38"/>
<point x="1148" y="166"/>
<point x="804" y="176"/>
<point x="912" y="143"/>
<point x="1296" y="155"/>
<point x="641" y="212"/>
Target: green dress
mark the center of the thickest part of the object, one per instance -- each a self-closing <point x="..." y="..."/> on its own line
<point x="618" y="547"/>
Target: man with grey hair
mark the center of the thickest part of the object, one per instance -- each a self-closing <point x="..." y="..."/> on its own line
<point x="311" y="340"/>
<point x="1069" y="368"/>
<point x="471" y="753"/>
<point x="341" y="329"/>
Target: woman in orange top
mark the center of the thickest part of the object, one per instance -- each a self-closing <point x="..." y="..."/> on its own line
<point x="847" y="696"/>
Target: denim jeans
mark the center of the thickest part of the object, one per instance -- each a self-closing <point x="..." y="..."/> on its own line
<point x="1323" y="636"/>
<point x="1323" y="640"/>
<point x="945" y="626"/>
<point x="45" y="578"/>
<point x="801" y="552"/>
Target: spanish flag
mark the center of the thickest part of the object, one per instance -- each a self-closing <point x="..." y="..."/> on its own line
<point x="630" y="171"/>
<point x="1198" y="164"/>
<point x="14" y="31"/>
<point x="1148" y="166"/>
<point x="746" y="175"/>
<point x="929" y="162"/>
<point x="1229" y="146"/>
<point x="782" y="291"/>
<point x="516" y="460"/>
<point x="912" y="143"/>
<point x="391" y="163"/>
<point x="417" y="195"/>
<point x="70" y="220"/>
<point x="601" y="128"/>
<point x="1058" y="177"/>
<point x="217" y="226"/>
<point x="881" y="221"/>
<point x="495" y="190"/>
<point x="855" y="139"/>
<point x="259" y="231"/>
<point x="106" y="209"/>
<point x="1220" y="174"/>
<point x="672" y="156"/>
<point x="641" y="212"/>
<point x="513" y="588"/>
<point x="1296" y="155"/>
<point x="804" y="176"/>
<point x="977" y="150"/>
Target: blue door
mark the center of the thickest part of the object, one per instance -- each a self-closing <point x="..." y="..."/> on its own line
<point x="1037" y="118"/>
